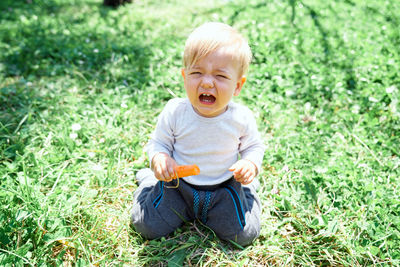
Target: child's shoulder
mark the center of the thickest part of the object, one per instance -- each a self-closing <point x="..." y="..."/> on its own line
<point x="176" y="101"/>
<point x="240" y="110"/>
<point x="243" y="117"/>
<point x="175" y="105"/>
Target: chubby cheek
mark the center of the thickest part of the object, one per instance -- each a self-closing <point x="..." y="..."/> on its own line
<point x="190" y="88"/>
<point x="191" y="94"/>
<point x="226" y="91"/>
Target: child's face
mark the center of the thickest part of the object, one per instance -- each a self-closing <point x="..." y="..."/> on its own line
<point x="212" y="82"/>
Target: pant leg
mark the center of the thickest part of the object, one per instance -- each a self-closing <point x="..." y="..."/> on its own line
<point x="157" y="210"/>
<point x="234" y="213"/>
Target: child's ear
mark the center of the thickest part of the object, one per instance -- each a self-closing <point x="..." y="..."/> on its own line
<point x="183" y="73"/>
<point x="239" y="85"/>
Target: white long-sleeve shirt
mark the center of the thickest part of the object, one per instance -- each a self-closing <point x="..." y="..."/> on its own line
<point x="214" y="144"/>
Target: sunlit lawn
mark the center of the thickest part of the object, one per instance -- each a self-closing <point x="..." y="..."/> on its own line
<point x="81" y="86"/>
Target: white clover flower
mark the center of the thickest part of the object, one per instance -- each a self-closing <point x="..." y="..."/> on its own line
<point x="320" y="169"/>
<point x="97" y="167"/>
<point x="73" y="136"/>
<point x="355" y="109"/>
<point x="373" y="99"/>
<point x="289" y="93"/>
<point x="307" y="106"/>
<point x="391" y="89"/>
<point x="74" y="89"/>
<point x="76" y="127"/>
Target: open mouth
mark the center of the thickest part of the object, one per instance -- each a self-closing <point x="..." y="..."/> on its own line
<point x="207" y="98"/>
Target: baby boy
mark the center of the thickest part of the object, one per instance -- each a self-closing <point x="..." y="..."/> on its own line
<point x="208" y="129"/>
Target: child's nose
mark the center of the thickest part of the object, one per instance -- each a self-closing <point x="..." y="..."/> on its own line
<point x="207" y="82"/>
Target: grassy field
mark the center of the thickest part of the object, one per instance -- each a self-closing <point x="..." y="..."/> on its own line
<point x="80" y="89"/>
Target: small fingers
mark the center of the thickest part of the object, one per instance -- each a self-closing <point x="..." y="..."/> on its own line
<point x="239" y="172"/>
<point x="165" y="171"/>
<point x="236" y="169"/>
<point x="244" y="171"/>
<point x="168" y="174"/>
<point x="159" y="174"/>
<point x="245" y="177"/>
<point x="248" y="180"/>
<point x="162" y="174"/>
<point x="167" y="177"/>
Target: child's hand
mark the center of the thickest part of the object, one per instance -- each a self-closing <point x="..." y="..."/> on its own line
<point x="164" y="167"/>
<point x="244" y="171"/>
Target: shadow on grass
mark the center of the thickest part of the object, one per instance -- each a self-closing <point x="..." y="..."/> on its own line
<point x="329" y="53"/>
<point x="52" y="45"/>
<point x="44" y="42"/>
<point x="38" y="41"/>
<point x="16" y="99"/>
<point x="323" y="33"/>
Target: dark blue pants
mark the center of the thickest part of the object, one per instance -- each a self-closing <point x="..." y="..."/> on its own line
<point x="230" y="209"/>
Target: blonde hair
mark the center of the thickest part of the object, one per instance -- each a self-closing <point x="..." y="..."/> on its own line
<point x="212" y="36"/>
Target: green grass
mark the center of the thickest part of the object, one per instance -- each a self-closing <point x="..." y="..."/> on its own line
<point x="80" y="88"/>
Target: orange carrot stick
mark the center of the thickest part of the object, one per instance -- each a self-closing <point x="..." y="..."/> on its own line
<point x="187" y="170"/>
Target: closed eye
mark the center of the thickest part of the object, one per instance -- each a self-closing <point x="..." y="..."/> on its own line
<point x="195" y="73"/>
<point x="222" y="76"/>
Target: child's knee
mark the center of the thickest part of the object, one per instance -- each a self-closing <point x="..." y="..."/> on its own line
<point x="149" y="229"/>
<point x="243" y="237"/>
<point x="248" y="235"/>
<point x="152" y="215"/>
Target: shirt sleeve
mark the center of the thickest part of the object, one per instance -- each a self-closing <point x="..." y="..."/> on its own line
<point x="162" y="139"/>
<point x="251" y="146"/>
